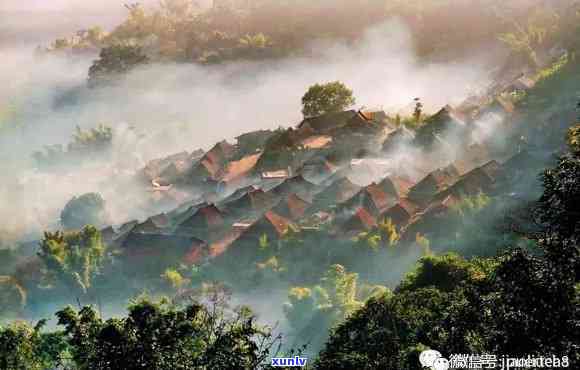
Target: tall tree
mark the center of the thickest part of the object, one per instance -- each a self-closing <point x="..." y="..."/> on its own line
<point x="87" y="209"/>
<point x="326" y="98"/>
<point x="74" y="259"/>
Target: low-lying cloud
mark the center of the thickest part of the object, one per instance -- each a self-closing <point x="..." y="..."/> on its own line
<point x="163" y="109"/>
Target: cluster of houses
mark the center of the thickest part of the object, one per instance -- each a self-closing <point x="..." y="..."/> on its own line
<point x="332" y="170"/>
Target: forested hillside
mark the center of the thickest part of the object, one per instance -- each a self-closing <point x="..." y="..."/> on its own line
<point x="353" y="234"/>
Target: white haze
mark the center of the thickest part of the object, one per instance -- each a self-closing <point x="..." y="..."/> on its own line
<point x="164" y="109"/>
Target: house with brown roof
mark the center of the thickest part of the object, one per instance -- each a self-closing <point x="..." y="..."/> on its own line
<point x="318" y="169"/>
<point x="446" y="122"/>
<point x="361" y="220"/>
<point x="237" y="173"/>
<point x="203" y="223"/>
<point x="432" y="220"/>
<point x="339" y="191"/>
<point x="480" y="179"/>
<point x="328" y="122"/>
<point x="213" y="162"/>
<point x="251" y="141"/>
<point x="372" y="198"/>
<point x="396" y="186"/>
<point x="151" y="252"/>
<point x="255" y="201"/>
<point x="237" y="194"/>
<point x="361" y="124"/>
<point x="473" y="156"/>
<point x="398" y="138"/>
<point x="378" y="116"/>
<point x="153" y="224"/>
<point x="378" y="200"/>
<point x="241" y="244"/>
<point x="161" y="167"/>
<point x="221" y="246"/>
<point x="433" y="183"/>
<point x="401" y="213"/>
<point x="297" y="184"/>
<point x="316" y="142"/>
<point x="293" y="207"/>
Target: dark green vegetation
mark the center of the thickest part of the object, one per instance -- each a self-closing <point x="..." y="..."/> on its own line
<point x="87" y="209"/>
<point x="152" y="336"/>
<point x="331" y="97"/>
<point x="85" y="145"/>
<point x="114" y="61"/>
<point x="177" y="30"/>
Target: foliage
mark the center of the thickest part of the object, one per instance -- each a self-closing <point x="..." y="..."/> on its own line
<point x="174" y="279"/>
<point x="326" y="98"/>
<point x="312" y="311"/>
<point x="516" y="303"/>
<point x="439" y="306"/>
<point x="470" y="205"/>
<point x="162" y="336"/>
<point x="85" y="144"/>
<point x="272" y="264"/>
<point x="74" y="259"/>
<point x="93" y="140"/>
<point x="87" y="209"/>
<point x="113" y="62"/>
<point x="527" y="39"/>
<point x="558" y="207"/>
<point x="443" y="273"/>
<point x="23" y="347"/>
<point x="300" y="307"/>
<point x="263" y="242"/>
<point x="552" y="69"/>
<point x="385" y="235"/>
<point x="573" y="139"/>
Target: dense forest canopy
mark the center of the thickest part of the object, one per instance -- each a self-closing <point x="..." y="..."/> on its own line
<point x="351" y="183"/>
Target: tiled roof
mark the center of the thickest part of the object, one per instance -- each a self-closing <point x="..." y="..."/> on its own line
<point x="236" y="169"/>
<point x="280" y="223"/>
<point x="328" y="122"/>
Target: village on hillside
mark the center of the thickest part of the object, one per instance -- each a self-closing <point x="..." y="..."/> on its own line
<point x="341" y="171"/>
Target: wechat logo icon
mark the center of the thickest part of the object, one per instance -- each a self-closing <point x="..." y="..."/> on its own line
<point x="431" y="359"/>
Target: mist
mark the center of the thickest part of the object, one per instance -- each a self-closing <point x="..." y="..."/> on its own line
<point x="163" y="109"/>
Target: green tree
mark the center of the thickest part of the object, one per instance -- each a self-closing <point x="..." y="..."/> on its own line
<point x="93" y="140"/>
<point x="74" y="259"/>
<point x="326" y="98"/>
<point x="300" y="307"/>
<point x="162" y="336"/>
<point x="573" y="139"/>
<point x="175" y="279"/>
<point x="257" y="41"/>
<point x="23" y="347"/>
<point x="518" y="303"/>
<point x="113" y="62"/>
<point x="528" y="39"/>
<point x="87" y="209"/>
